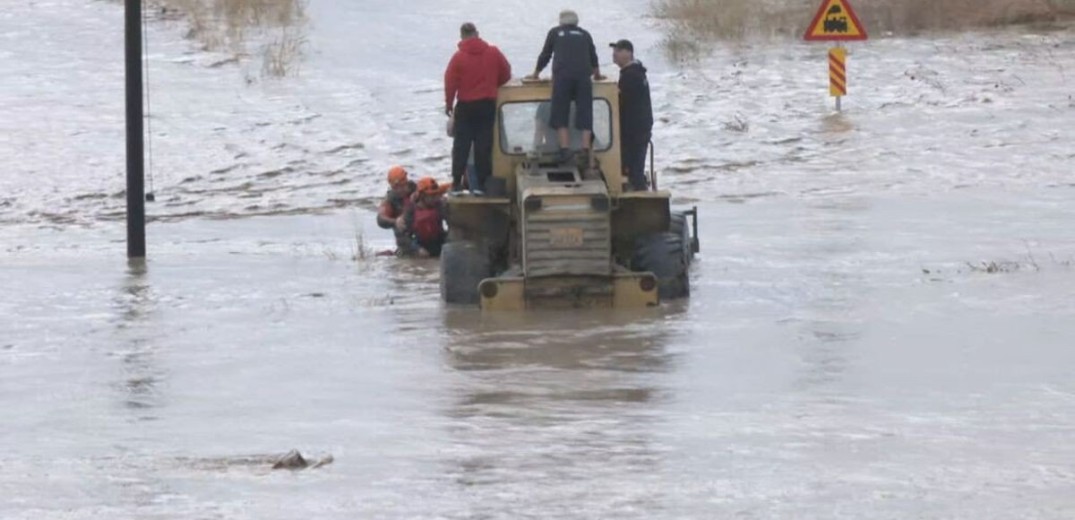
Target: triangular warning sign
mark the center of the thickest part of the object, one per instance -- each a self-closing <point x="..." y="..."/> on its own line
<point x="835" y="21"/>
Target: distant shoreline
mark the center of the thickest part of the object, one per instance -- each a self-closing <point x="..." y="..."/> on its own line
<point x="735" y="20"/>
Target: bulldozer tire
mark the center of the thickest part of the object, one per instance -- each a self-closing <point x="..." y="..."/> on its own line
<point x="666" y="255"/>
<point x="679" y="225"/>
<point x="463" y="265"/>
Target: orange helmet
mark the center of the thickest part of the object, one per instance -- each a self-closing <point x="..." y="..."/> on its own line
<point x="429" y="186"/>
<point x="396" y="175"/>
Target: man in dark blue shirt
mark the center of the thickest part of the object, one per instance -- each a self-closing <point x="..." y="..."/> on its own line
<point x="574" y="62"/>
<point x="636" y="113"/>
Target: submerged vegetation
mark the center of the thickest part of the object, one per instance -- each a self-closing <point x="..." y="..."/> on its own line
<point x="275" y="27"/>
<point x="360" y="250"/>
<point x="1027" y="263"/>
<point x="743" y="19"/>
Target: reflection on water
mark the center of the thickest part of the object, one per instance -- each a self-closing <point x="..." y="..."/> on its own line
<point x="618" y="341"/>
<point x="554" y="399"/>
<point x="139" y="371"/>
<point x="837" y="123"/>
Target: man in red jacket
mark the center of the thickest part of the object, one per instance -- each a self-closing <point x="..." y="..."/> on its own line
<point x="473" y="76"/>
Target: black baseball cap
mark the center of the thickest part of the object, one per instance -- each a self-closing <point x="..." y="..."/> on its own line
<point x="623" y="45"/>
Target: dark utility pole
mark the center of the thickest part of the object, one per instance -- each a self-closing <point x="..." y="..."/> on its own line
<point x="136" y="204"/>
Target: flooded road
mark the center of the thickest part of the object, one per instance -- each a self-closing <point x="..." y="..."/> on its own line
<point x="880" y="327"/>
<point x="821" y="373"/>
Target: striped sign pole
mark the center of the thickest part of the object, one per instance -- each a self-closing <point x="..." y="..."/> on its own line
<point x="838" y="74"/>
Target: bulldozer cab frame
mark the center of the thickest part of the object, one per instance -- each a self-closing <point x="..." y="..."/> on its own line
<point x="523" y="109"/>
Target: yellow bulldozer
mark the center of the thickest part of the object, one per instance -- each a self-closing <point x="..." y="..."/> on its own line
<point x="555" y="233"/>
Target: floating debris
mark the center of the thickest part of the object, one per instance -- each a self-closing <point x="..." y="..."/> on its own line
<point x="294" y="460"/>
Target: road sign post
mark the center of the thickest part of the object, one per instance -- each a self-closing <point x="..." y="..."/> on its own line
<point x="836" y="21"/>
<point x="838" y="74"/>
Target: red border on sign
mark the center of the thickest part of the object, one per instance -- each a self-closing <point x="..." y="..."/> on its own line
<point x="821" y="13"/>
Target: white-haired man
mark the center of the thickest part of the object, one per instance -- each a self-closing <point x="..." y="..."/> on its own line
<point x="574" y="62"/>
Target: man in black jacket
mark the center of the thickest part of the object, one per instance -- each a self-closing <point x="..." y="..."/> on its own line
<point x="636" y="114"/>
<point x="574" y="61"/>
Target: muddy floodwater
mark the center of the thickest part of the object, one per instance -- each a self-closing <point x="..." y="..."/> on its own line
<point x="882" y="320"/>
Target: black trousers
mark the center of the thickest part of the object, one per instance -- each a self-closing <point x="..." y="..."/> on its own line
<point x="633" y="150"/>
<point x="473" y="127"/>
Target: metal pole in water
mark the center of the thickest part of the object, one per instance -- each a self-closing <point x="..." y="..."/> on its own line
<point x="136" y="207"/>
